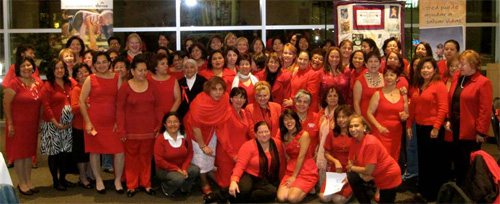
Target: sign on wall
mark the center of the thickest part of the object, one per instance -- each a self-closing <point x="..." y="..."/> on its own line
<point x="357" y="20"/>
<point x="441" y="21"/>
<point x="91" y="20"/>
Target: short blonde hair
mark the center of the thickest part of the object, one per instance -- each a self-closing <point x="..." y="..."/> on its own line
<point x="132" y="35"/>
<point x="66" y="50"/>
<point x="261" y="85"/>
<point x="472" y="57"/>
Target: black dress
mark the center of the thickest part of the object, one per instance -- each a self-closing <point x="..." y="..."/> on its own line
<point x="187" y="96"/>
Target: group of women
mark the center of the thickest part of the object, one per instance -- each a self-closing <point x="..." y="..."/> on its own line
<point x="263" y="124"/>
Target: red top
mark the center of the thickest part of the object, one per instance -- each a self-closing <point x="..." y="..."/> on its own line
<point x="355" y="75"/>
<point x="138" y="115"/>
<point x="78" y="122"/>
<point x="165" y="91"/>
<point x="433" y="100"/>
<point x="442" y="67"/>
<point x="341" y="82"/>
<point x="227" y="74"/>
<point x="311" y="125"/>
<point x="338" y="147"/>
<point x="366" y="94"/>
<point x="54" y="98"/>
<point x="230" y="143"/>
<point x="170" y="158"/>
<point x="271" y="115"/>
<point x="11" y="74"/>
<point x="369" y="150"/>
<point x="281" y="88"/>
<point x="475" y="105"/>
<point x="177" y="75"/>
<point x="250" y="92"/>
<point x="306" y="79"/>
<point x="248" y="159"/>
<point x="203" y="66"/>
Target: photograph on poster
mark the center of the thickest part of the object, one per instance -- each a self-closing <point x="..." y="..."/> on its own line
<point x="436" y="36"/>
<point x="357" y="39"/>
<point x="345" y="27"/>
<point x="344" y="14"/>
<point x="393" y="25"/>
<point x="394" y="12"/>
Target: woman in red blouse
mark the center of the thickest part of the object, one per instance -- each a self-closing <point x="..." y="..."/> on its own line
<point x="138" y="119"/>
<point x="470" y="101"/>
<point x="22" y="99"/>
<point x="278" y="79"/>
<point x="308" y="119"/>
<point x="357" y="66"/>
<point x="304" y="78"/>
<point x="56" y="140"/>
<point x="345" y="47"/>
<point x="167" y="85"/>
<point x="244" y="78"/>
<point x="217" y="67"/>
<point x="173" y="152"/>
<point x="369" y="161"/>
<point x="428" y="108"/>
<point x="80" y="72"/>
<point x="336" y="146"/>
<point x="335" y="75"/>
<point x="260" y="166"/>
<point x="199" y="54"/>
<point x="263" y="109"/>
<point x="289" y="55"/>
<point x="228" y="145"/>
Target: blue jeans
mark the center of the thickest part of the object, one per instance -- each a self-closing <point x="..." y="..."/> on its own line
<point x="412" y="154"/>
<point x="107" y="161"/>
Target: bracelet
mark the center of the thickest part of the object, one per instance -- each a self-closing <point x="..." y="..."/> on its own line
<point x="201" y="147"/>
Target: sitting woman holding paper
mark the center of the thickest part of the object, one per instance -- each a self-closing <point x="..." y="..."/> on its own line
<point x="337" y="145"/>
<point x="369" y="160"/>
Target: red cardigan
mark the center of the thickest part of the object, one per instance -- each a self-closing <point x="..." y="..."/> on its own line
<point x="54" y="99"/>
<point x="171" y="159"/>
<point x="429" y="107"/>
<point x="281" y="88"/>
<point x="308" y="80"/>
<point x="255" y="111"/>
<point x="475" y="105"/>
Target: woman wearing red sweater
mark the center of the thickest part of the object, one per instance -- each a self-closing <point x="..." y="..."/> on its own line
<point x="173" y="152"/>
<point x="56" y="140"/>
<point x="304" y="77"/>
<point x="470" y="104"/>
<point x="260" y="165"/>
<point x="278" y="79"/>
<point x="217" y="67"/>
<point x="138" y="119"/>
<point x="80" y="72"/>
<point x="265" y="110"/>
<point x="428" y="108"/>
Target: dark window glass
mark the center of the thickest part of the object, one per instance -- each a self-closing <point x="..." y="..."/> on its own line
<point x="297" y="12"/>
<point x="220" y="12"/>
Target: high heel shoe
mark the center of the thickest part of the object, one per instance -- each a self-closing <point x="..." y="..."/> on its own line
<point x="150" y="191"/>
<point x="130" y="193"/>
<point x="35" y="190"/>
<point x="102" y="191"/>
<point x="88" y="186"/>
<point x="28" y="192"/>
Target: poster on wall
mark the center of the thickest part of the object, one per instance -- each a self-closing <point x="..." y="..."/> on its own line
<point x="441" y="21"/>
<point x="357" y="20"/>
<point x="91" y="20"/>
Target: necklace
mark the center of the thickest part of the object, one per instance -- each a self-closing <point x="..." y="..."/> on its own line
<point x="462" y="83"/>
<point x="374" y="82"/>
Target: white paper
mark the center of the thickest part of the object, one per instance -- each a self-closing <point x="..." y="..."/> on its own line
<point x="4" y="172"/>
<point x="334" y="182"/>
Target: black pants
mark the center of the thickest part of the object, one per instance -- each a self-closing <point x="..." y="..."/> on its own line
<point x="461" y="151"/>
<point x="254" y="190"/>
<point x="431" y="162"/>
<point x="58" y="163"/>
<point x="359" y="190"/>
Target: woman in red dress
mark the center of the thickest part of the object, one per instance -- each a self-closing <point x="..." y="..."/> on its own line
<point x="308" y="119"/>
<point x="263" y="109"/>
<point x="244" y="78"/>
<point x="260" y="165"/>
<point x="228" y="145"/>
<point x="167" y="85"/>
<point x="138" y="120"/>
<point x="121" y="66"/>
<point x="334" y="74"/>
<point x="368" y="160"/>
<point x="22" y="99"/>
<point x="278" y="79"/>
<point x="56" y="140"/>
<point x="428" y="94"/>
<point x="367" y="84"/>
<point x="301" y="171"/>
<point x="336" y="146"/>
<point x="386" y="111"/>
<point x="199" y="54"/>
<point x="304" y="78"/>
<point x="100" y="120"/>
<point x="205" y="122"/>
<point x="217" y="67"/>
<point x="80" y="72"/>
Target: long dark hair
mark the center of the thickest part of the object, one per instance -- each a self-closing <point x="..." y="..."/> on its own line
<point x="51" y="78"/>
<point x="347" y="111"/>
<point x="292" y="114"/>
<point x="271" y="174"/>
<point x="418" y="76"/>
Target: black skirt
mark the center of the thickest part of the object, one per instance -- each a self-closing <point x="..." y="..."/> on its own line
<point x="79" y="154"/>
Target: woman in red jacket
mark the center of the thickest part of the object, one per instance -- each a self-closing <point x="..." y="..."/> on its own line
<point x="260" y="165"/>
<point x="369" y="160"/>
<point x="428" y="108"/>
<point x="470" y="104"/>
<point x="278" y="79"/>
<point x="304" y="77"/>
<point x="263" y="109"/>
<point x="173" y="152"/>
<point x="138" y="119"/>
<point x="80" y="72"/>
<point x="217" y="67"/>
<point x="56" y="140"/>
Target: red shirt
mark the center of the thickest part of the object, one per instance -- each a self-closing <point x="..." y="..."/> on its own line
<point x="227" y="74"/>
<point x="250" y="92"/>
<point x="177" y="75"/>
<point x="338" y="147"/>
<point x="475" y="105"/>
<point x="170" y="158"/>
<point x="311" y="125"/>
<point x="271" y="115"/>
<point x="229" y="144"/>
<point x="306" y="79"/>
<point x="281" y="88"/>
<point x="165" y="92"/>
<point x="355" y="75"/>
<point x="138" y="114"/>
<point x="429" y="107"/>
<point x="78" y="122"/>
<point x="54" y="98"/>
<point x="442" y="67"/>
<point x="369" y="150"/>
<point x="248" y="159"/>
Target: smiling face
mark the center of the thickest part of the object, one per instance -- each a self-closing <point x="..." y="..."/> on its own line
<point x="392" y="46"/>
<point x="453" y="67"/>
<point x="244" y="67"/>
<point x="76" y="47"/>
<point x="59" y="70"/>
<point x="216" y="44"/>
<point x="26" y="69"/>
<point x="427" y="71"/>
<point x="289" y="123"/>
<point x="303" y="44"/>
<point x="162" y="41"/>
<point x="278" y="46"/>
<point x="393" y="59"/>
<point x="302" y="105"/>
<point x="342" y="120"/>
<point x="140" y="71"/>
<point x="346" y="50"/>
<point x="273" y="65"/>
<point x="421" y="51"/>
<point x="238" y="101"/>
<point x="288" y="56"/>
<point x="357" y="128"/>
<point x="134" y="45"/>
<point x="231" y="40"/>
<point x="87" y="59"/>
<point x="263" y="134"/>
<point x="217" y="61"/>
<point x="334" y="58"/>
<point x="317" y="61"/>
<point x="258" y="46"/>
<point x="262" y="97"/>
<point x="178" y="62"/>
<point x="190" y="69"/>
<point x="102" y="64"/>
<point x="121" y="69"/>
<point x="332" y="98"/>
<point x="82" y="74"/>
<point x="358" y="60"/>
<point x="69" y="59"/>
<point x="196" y="53"/>
<point x="172" y="125"/>
<point x="242" y="46"/>
<point x="373" y="64"/>
<point x="303" y="60"/>
<point x="390" y="78"/>
<point x="232" y="57"/>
